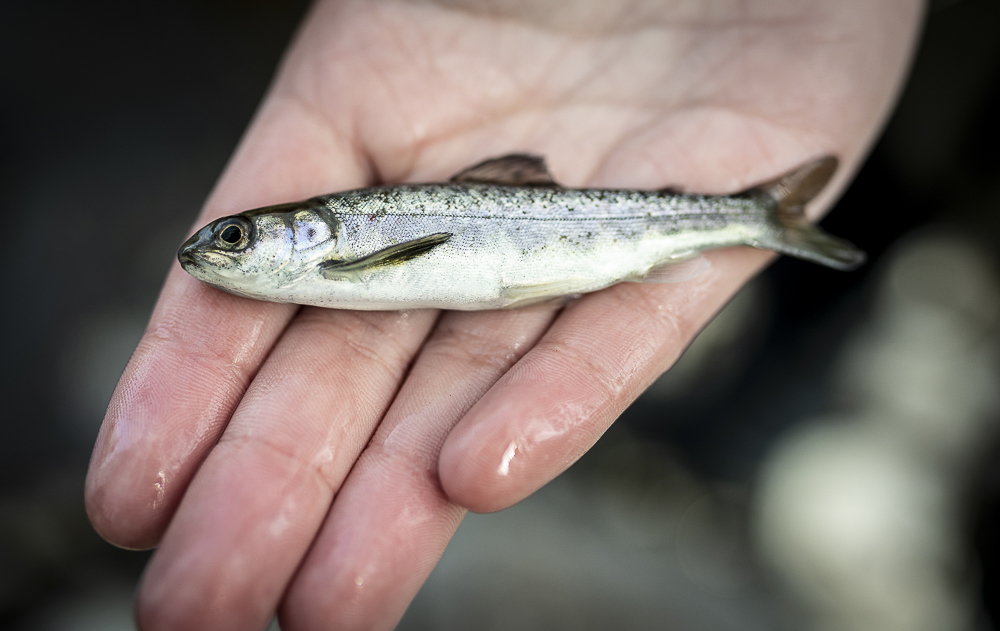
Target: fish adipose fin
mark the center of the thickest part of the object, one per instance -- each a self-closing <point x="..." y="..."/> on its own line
<point x="516" y="169"/>
<point x="392" y="255"/>
<point x="788" y="195"/>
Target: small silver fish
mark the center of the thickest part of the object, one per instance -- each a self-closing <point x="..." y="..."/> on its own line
<point x="501" y="234"/>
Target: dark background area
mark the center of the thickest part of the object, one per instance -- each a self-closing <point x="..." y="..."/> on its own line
<point x="116" y="118"/>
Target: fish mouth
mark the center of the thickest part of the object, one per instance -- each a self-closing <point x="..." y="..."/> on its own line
<point x="186" y="260"/>
<point x="201" y="262"/>
<point x="186" y="254"/>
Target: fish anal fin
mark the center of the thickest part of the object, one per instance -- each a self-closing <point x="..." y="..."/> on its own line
<point x="675" y="270"/>
<point x="793" y="190"/>
<point x="553" y="302"/>
<point x="556" y="292"/>
<point x="516" y="169"/>
<point x="386" y="257"/>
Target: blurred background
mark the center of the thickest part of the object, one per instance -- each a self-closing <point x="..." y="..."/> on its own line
<point x="824" y="456"/>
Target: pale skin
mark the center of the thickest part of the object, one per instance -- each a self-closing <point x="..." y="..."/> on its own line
<point x="316" y="462"/>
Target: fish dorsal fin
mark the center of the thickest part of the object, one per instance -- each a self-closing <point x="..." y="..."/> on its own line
<point x="516" y="169"/>
<point x="792" y="191"/>
<point x="392" y="255"/>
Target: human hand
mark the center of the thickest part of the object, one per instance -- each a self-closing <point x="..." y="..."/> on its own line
<point x="318" y="461"/>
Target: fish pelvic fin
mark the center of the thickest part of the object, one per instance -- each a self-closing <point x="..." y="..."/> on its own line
<point x="336" y="269"/>
<point x="788" y="196"/>
<point x="516" y="169"/>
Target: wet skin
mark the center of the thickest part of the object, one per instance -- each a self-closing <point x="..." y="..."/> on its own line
<point x="318" y="461"/>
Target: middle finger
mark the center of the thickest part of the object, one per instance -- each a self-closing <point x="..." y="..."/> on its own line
<point x="391" y="520"/>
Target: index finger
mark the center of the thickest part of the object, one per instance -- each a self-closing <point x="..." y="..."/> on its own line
<point x="202" y="347"/>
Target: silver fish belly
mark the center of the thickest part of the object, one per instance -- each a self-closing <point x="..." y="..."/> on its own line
<point x="501" y="234"/>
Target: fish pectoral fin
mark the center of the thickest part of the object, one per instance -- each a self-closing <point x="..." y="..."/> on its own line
<point x="674" y="270"/>
<point x="556" y="292"/>
<point x="516" y="169"/>
<point x="334" y="269"/>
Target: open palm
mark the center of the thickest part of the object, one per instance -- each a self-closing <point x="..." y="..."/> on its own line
<point x="317" y="462"/>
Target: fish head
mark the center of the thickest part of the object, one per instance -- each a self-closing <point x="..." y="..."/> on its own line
<point x="255" y="252"/>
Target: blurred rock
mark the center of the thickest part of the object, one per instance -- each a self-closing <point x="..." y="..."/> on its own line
<point x="860" y="513"/>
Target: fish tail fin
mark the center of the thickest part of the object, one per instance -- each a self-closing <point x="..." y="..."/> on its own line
<point x="788" y="196"/>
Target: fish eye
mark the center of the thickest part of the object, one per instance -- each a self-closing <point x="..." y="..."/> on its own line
<point x="232" y="234"/>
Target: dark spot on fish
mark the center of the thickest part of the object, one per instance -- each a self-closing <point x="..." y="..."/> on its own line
<point x="311" y="233"/>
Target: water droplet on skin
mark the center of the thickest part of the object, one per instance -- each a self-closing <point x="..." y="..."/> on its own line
<point x="160" y="487"/>
<point x="508" y="455"/>
<point x="245" y="347"/>
<point x="359" y="582"/>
